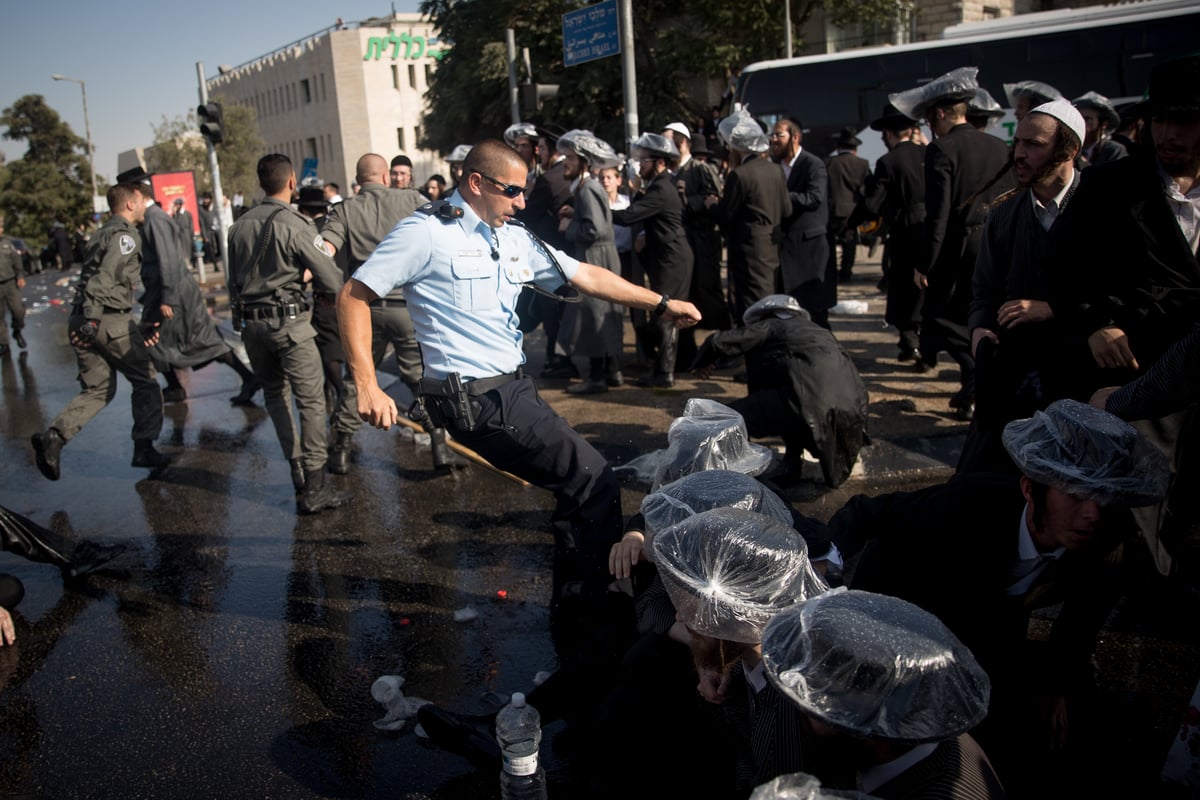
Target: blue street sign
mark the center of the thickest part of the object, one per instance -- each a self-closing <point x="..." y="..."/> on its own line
<point x="590" y="33"/>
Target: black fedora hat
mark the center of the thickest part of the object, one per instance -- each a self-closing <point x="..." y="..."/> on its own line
<point x="699" y="144"/>
<point x="312" y="197"/>
<point x="893" y="120"/>
<point x="1175" y="88"/>
<point x="135" y="175"/>
<point x="849" y="138"/>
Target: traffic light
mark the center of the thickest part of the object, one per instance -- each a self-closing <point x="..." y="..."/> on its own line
<point x="212" y="122"/>
<point x="533" y="95"/>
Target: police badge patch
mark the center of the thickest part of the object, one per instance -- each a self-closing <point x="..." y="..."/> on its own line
<point x="319" y="243"/>
<point x="127" y="244"/>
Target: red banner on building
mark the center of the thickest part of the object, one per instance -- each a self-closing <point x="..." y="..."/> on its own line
<point x="171" y="186"/>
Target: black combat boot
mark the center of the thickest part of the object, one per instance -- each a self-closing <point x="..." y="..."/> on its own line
<point x="297" y="467"/>
<point x="144" y="455"/>
<point x="443" y="457"/>
<point x="339" y="454"/>
<point x="319" y="495"/>
<point x="46" y="449"/>
<point x="19" y="339"/>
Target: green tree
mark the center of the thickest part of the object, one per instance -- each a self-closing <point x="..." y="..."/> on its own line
<point x="52" y="181"/>
<point x="179" y="147"/>
<point x="468" y="96"/>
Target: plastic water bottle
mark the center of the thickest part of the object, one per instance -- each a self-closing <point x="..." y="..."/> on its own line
<point x="519" y="733"/>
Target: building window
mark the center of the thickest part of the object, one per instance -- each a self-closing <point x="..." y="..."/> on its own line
<point x="400" y="139"/>
<point x="412" y="76"/>
<point x="306" y="91"/>
<point x="428" y="74"/>
<point x="311" y="148"/>
<point x="395" y="77"/>
<point x="416" y="136"/>
<point x="324" y="96"/>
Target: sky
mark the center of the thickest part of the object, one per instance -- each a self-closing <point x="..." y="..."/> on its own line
<point x="138" y="58"/>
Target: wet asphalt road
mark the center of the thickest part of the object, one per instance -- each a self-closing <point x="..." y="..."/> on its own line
<point x="232" y="654"/>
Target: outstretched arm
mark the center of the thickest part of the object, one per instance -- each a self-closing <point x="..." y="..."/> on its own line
<point x="600" y="282"/>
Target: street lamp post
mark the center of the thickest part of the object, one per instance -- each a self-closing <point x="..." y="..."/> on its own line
<point x="87" y="126"/>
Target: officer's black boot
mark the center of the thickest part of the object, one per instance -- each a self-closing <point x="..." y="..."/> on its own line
<point x="144" y="455"/>
<point x="297" y="468"/>
<point x="443" y="457"/>
<point x="319" y="495"/>
<point x="19" y="339"/>
<point x="46" y="449"/>
<point x="339" y="454"/>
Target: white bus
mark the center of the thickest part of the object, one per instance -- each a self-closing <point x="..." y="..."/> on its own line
<point x="1107" y="49"/>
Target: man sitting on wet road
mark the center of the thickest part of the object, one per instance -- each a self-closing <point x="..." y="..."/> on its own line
<point x="462" y="267"/>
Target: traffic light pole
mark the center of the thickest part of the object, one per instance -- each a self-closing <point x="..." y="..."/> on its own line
<point x="218" y="195"/>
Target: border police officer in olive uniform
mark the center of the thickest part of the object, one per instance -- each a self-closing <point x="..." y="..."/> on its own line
<point x="106" y="338"/>
<point x="357" y="225"/>
<point x="11" y="284"/>
<point x="270" y="247"/>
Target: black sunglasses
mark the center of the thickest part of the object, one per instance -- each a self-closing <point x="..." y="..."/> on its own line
<point x="506" y="189"/>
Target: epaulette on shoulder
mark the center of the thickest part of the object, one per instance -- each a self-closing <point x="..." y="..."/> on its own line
<point x="442" y="209"/>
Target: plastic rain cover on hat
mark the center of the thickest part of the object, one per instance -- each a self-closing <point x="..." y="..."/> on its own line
<point x="704" y="491"/>
<point x="957" y="84"/>
<point x="655" y="144"/>
<point x="1088" y="453"/>
<point x="728" y="571"/>
<point x="1065" y="113"/>
<point x="519" y="129"/>
<point x="802" y="786"/>
<point x="1102" y="104"/>
<point x="1036" y="91"/>
<point x="587" y="145"/>
<point x="875" y="666"/>
<point x="984" y="103"/>
<point x="709" y="435"/>
<point x="740" y="131"/>
<point x="783" y="306"/>
<point x="459" y="153"/>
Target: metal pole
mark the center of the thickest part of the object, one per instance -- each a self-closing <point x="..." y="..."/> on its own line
<point x="87" y="127"/>
<point x="510" y="44"/>
<point x="787" y="27"/>
<point x="218" y="195"/>
<point x="628" y="72"/>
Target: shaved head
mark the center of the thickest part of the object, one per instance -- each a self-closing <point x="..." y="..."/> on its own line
<point x="371" y="168"/>
<point x="491" y="157"/>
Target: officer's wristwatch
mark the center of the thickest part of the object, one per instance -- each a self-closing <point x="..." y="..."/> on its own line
<point x="661" y="308"/>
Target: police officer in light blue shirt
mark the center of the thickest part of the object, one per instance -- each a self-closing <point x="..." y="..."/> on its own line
<point x="462" y="266"/>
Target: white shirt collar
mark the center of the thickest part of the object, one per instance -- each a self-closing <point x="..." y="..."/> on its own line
<point x="684" y="160"/>
<point x="1046" y="213"/>
<point x="757" y="677"/>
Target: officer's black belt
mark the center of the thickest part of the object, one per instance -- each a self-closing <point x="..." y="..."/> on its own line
<point x="111" y="310"/>
<point x="484" y="385"/>
<point x="271" y="312"/>
<point x="385" y="302"/>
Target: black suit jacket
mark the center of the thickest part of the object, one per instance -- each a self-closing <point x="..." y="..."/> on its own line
<point x="805" y="268"/>
<point x="957" y="166"/>
<point x="950" y="549"/>
<point x="847" y="174"/>
<point x="1117" y="257"/>
<point x="667" y="256"/>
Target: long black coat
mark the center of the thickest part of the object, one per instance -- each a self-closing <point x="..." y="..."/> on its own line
<point x="957" y="166"/>
<point x="751" y="210"/>
<point x="847" y="173"/>
<point x="667" y="257"/>
<point x="896" y="193"/>
<point x="1117" y="257"/>
<point x="806" y="271"/>
<point x="824" y="397"/>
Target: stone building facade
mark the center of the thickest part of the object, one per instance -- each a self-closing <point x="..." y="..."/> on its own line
<point x="343" y="92"/>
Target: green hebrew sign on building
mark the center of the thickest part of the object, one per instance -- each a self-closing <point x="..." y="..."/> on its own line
<point x="414" y="46"/>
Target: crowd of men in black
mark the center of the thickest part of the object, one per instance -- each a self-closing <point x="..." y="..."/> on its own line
<point x="1061" y="271"/>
